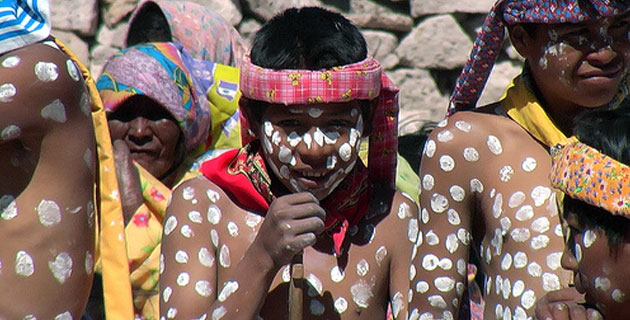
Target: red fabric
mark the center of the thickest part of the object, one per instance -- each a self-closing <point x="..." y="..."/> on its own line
<point x="241" y="173"/>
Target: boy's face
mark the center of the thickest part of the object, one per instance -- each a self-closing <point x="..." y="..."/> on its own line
<point x="311" y="147"/>
<point x="580" y="64"/>
<point x="599" y="272"/>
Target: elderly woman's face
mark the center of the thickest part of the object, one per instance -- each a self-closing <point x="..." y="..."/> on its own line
<point x="150" y="132"/>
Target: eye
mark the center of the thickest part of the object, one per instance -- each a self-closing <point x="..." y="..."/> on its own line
<point x="340" y="123"/>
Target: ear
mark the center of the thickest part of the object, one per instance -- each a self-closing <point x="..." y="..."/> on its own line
<point x="244" y="106"/>
<point x="522" y="40"/>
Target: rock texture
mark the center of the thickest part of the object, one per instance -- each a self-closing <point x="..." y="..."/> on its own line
<point x="422" y="44"/>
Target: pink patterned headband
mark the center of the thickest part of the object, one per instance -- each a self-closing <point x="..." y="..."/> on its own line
<point x="588" y="175"/>
<point x="361" y="80"/>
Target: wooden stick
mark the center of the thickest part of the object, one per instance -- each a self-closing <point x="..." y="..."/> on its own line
<point x="296" y="294"/>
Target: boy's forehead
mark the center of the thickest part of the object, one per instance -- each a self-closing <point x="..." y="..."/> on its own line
<point x="315" y="109"/>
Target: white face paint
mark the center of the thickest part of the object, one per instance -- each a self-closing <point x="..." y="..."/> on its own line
<point x="331" y="162"/>
<point x="318" y="136"/>
<point x="345" y="152"/>
<point x="268" y="127"/>
<point x="284" y="154"/>
<point x="307" y="139"/>
<point x="315" y="112"/>
<point x="294" y="139"/>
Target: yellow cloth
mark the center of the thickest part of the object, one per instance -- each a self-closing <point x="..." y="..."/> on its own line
<point x="523" y="107"/>
<point x="110" y="238"/>
<point x="407" y="179"/>
<point x="144" y="235"/>
<point x="226" y="128"/>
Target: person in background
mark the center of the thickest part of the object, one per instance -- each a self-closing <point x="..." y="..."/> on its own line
<point x="484" y="173"/>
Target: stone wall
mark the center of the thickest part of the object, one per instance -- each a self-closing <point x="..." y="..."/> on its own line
<point x="421" y="43"/>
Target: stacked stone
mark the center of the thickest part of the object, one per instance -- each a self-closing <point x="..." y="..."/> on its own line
<point x="422" y="44"/>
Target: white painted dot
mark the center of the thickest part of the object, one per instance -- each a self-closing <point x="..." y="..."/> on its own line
<point x="463" y="126"/>
<point x="444" y="136"/>
<point x="578" y="252"/>
<point x="404" y="211"/>
<point x="218" y="313"/>
<point x="186" y="231"/>
<point x="183" y="279"/>
<point x="439" y="203"/>
<point x="341" y="305"/>
<point x="457" y="193"/>
<point x="66" y="315"/>
<point x="494" y="145"/>
<point x="315" y="283"/>
<point x="11" y="62"/>
<point x="7" y="92"/>
<point x="602" y="283"/>
<point x="214" y="237"/>
<point x="195" y="216"/>
<point x="524" y="213"/>
<point x="432" y="238"/>
<point x="8" y="207"/>
<point x="444" y="284"/>
<point x="46" y="71"/>
<point x="442" y="123"/>
<point x="336" y="274"/>
<point x="412" y="230"/>
<point x="61" y="267"/>
<point x="425" y="215"/>
<point x="361" y="293"/>
<point x="88" y="263"/>
<point x="505" y="174"/>
<point x="497" y="206"/>
<point x="429" y="148"/>
<point x="506" y="262"/>
<point x="49" y="213"/>
<point x="540" y="194"/>
<point x="412" y="272"/>
<point x="451" y="243"/>
<point x="528" y="299"/>
<point x="203" y="288"/>
<point x="10" y="132"/>
<point x="529" y="164"/>
<point x="520" y="234"/>
<point x="73" y="72"/>
<point x="588" y="238"/>
<point x="345" y="152"/>
<point x="422" y="286"/>
<point x="428" y="182"/>
<point x="550" y="282"/>
<point x="553" y="260"/>
<point x="380" y="254"/>
<point x="447" y="163"/>
<point x="213" y="195"/>
<point x="476" y="185"/>
<point x="471" y="154"/>
<point x="229" y="287"/>
<point x="286" y="274"/>
<point x="618" y="296"/>
<point x="445" y="264"/>
<point x="518" y="288"/>
<point x="464" y="236"/>
<point x="516" y="199"/>
<point x="453" y="217"/>
<point x="437" y="301"/>
<point x="214" y="214"/>
<point x="232" y="229"/>
<point x="181" y="256"/>
<point x="534" y="269"/>
<point x="520" y="260"/>
<point x="540" y="242"/>
<point x="166" y="294"/>
<point x="461" y="267"/>
<point x="224" y="256"/>
<point x="540" y="225"/>
<point x="506" y="224"/>
<point x="397" y="304"/>
<point x="362" y="267"/>
<point x="430" y="262"/>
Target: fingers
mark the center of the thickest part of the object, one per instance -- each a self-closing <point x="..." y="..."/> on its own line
<point x="567" y="311"/>
<point x="313" y="225"/>
<point x="300" y="198"/>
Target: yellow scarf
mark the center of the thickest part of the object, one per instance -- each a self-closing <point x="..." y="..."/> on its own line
<point x="523" y="107"/>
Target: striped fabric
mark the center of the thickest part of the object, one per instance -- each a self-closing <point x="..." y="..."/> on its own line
<point x="23" y="22"/>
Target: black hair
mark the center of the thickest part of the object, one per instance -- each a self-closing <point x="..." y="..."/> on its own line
<point x="410" y="146"/>
<point x="149" y="25"/>
<point x="609" y="132"/>
<point x="306" y="38"/>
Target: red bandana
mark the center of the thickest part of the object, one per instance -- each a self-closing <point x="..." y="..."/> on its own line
<point x="242" y="174"/>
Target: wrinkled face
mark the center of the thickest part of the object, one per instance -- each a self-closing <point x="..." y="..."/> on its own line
<point x="150" y="132"/>
<point x="311" y="147"/>
<point x="581" y="64"/>
<point x="600" y="273"/>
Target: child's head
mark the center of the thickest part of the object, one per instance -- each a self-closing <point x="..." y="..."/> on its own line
<point x="309" y="93"/>
<point x="596" y="180"/>
<point x="576" y="51"/>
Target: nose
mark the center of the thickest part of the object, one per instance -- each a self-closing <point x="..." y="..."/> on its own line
<point x="140" y="132"/>
<point x="313" y="150"/>
<point x="602" y="56"/>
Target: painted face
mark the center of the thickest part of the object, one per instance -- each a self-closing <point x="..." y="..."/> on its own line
<point x="580" y="64"/>
<point x="150" y="132"/>
<point x="601" y="272"/>
<point x="311" y="147"/>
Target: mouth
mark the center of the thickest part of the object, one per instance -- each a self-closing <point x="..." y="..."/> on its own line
<point x="611" y="71"/>
<point x="312" y="180"/>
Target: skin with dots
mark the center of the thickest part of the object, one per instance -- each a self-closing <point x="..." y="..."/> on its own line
<point x="48" y="164"/>
<point x="223" y="262"/>
<point x="484" y="179"/>
<point x="600" y="271"/>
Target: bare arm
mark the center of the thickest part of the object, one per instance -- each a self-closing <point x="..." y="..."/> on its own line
<point x="208" y="270"/>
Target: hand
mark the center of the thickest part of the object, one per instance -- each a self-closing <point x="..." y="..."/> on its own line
<point x="128" y="180"/>
<point x="291" y="224"/>
<point x="564" y="304"/>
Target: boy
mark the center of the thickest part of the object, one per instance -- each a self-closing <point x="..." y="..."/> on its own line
<point x="485" y="174"/>
<point x="594" y="175"/>
<point x="236" y="239"/>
